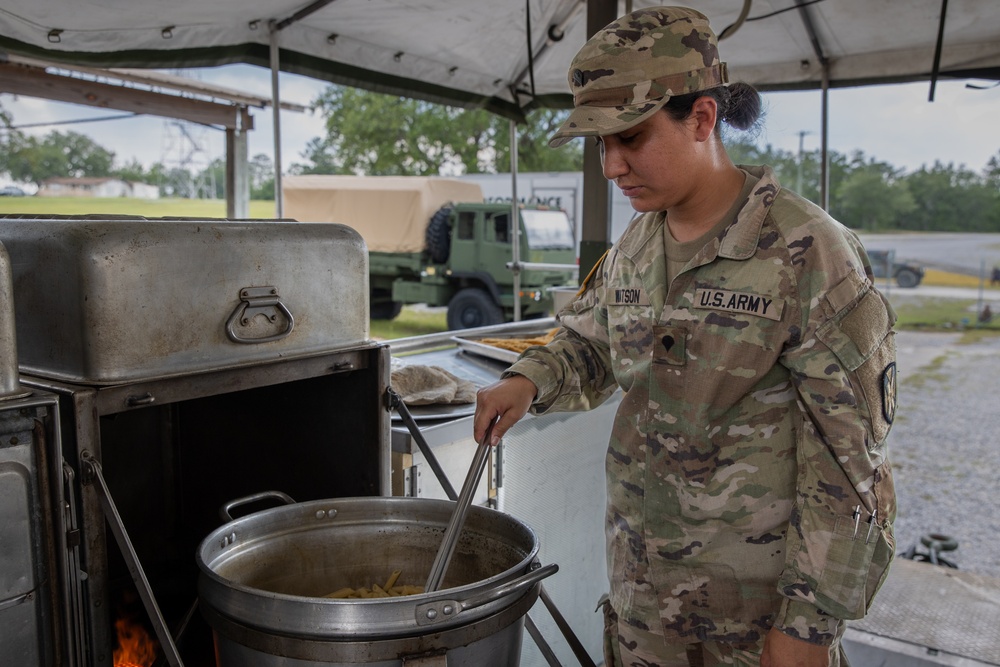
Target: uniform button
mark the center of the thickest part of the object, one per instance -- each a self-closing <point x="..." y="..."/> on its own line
<point x="668" y="342"/>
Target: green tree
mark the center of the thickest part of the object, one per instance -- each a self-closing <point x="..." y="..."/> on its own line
<point x="533" y="151"/>
<point x="156" y="175"/>
<point x="132" y="171"/>
<point x="59" y="154"/>
<point x="802" y="178"/>
<point x="11" y="140"/>
<point x="950" y="198"/>
<point x="868" y="200"/>
<point x="991" y="176"/>
<point x="370" y="133"/>
<point x="211" y="182"/>
<point x="992" y="172"/>
<point x="261" y="177"/>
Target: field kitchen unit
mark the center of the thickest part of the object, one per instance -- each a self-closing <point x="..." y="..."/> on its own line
<point x="188" y="398"/>
<point x="189" y="363"/>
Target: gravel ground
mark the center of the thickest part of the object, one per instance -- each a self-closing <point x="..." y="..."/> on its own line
<point x="945" y="446"/>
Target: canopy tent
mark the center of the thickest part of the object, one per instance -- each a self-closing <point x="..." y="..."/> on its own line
<point x="475" y="53"/>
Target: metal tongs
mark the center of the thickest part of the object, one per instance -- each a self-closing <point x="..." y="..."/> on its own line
<point x="396" y="403"/>
<point x="451" y="533"/>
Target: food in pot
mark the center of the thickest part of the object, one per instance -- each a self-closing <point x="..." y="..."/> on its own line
<point x="389" y="590"/>
<point x="519" y="344"/>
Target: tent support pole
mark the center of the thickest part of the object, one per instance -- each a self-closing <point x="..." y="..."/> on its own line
<point x="936" y="67"/>
<point x="824" y="165"/>
<point x="595" y="235"/>
<point x="237" y="176"/>
<point x="515" y="223"/>
<point x="824" y="62"/>
<point x="275" y="27"/>
<point x="279" y="208"/>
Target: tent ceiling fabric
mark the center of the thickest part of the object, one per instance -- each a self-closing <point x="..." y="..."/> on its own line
<point x="473" y="53"/>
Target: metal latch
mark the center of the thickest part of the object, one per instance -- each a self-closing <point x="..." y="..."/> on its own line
<point x="437" y="660"/>
<point x="258" y="301"/>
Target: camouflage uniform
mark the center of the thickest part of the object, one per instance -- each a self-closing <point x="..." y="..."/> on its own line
<point x="747" y="474"/>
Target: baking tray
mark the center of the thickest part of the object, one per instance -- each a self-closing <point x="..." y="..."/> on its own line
<point x="470" y="343"/>
<point x="421" y="413"/>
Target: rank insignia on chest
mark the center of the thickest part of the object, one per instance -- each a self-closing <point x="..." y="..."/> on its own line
<point x="738" y="302"/>
<point x="629" y="296"/>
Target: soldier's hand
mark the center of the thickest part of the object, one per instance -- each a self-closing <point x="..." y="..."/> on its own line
<point x="781" y="650"/>
<point x="507" y="401"/>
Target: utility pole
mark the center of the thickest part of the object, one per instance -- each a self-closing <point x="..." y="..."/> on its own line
<point x="798" y="185"/>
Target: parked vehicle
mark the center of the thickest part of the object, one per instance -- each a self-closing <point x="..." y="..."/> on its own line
<point x="434" y="241"/>
<point x="11" y="191"/>
<point x="906" y="274"/>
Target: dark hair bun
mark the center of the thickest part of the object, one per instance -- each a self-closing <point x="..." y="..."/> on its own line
<point x="743" y="107"/>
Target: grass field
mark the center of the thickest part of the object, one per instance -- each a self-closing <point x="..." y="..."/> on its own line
<point x="942" y="315"/>
<point x="410" y="322"/>
<point x="146" y="208"/>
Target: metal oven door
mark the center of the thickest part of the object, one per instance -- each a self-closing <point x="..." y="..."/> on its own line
<point x="29" y="571"/>
<point x="168" y="453"/>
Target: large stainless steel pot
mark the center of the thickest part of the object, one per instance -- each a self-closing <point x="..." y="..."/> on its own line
<point x="263" y="578"/>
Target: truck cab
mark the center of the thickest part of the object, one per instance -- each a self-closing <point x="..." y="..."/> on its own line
<point x="884" y="265"/>
<point x="469" y="248"/>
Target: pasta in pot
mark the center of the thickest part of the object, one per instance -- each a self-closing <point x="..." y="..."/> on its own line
<point x="391" y="589"/>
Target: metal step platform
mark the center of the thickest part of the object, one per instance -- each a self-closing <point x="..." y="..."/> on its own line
<point x="928" y="615"/>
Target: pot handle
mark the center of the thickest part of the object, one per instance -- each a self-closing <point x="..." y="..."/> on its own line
<point x="224" y="511"/>
<point x="444" y="609"/>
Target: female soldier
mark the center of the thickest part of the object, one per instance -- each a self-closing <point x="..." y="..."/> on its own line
<point x="750" y="497"/>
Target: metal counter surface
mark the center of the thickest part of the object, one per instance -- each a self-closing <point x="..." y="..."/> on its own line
<point x="441" y="350"/>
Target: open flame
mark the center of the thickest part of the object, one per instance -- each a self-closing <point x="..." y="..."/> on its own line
<point x="135" y="647"/>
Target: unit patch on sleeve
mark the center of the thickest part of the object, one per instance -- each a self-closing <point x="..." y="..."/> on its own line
<point x="628" y="296"/>
<point x="889" y="393"/>
<point x="738" y="302"/>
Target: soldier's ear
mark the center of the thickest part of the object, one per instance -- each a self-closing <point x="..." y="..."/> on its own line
<point x="705" y="114"/>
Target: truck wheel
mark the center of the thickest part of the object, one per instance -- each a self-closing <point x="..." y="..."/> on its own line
<point x="386" y="310"/>
<point x="907" y="278"/>
<point x="472" y="308"/>
<point x="437" y="238"/>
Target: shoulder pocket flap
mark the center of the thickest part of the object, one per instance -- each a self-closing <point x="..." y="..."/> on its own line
<point x="856" y="332"/>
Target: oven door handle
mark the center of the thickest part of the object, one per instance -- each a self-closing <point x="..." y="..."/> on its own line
<point x="16" y="600"/>
<point x="259" y="301"/>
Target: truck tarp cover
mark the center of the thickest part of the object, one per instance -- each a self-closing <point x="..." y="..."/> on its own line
<point x="390" y="212"/>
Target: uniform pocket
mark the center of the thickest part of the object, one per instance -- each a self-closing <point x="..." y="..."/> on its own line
<point x="856" y="566"/>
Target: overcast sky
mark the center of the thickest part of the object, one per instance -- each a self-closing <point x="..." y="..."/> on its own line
<point x="895" y="124"/>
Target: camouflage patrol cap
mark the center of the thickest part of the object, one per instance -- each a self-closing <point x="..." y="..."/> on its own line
<point x="632" y="67"/>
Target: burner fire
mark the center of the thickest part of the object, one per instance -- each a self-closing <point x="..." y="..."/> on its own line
<point x="135" y="647"/>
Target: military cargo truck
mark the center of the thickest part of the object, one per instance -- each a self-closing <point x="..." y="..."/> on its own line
<point x="434" y="241"/>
